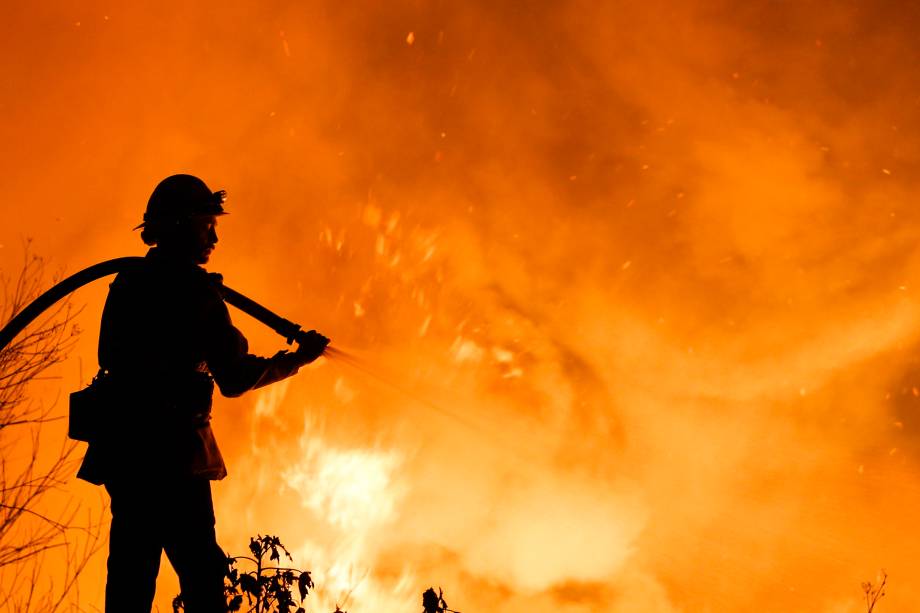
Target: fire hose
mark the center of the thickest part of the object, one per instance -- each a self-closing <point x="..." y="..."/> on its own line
<point x="286" y="328"/>
<point x="289" y="330"/>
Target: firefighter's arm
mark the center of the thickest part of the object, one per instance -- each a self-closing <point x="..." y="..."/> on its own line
<point x="235" y="370"/>
<point x="285" y="363"/>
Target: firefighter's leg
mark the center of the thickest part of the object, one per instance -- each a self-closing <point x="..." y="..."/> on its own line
<point x="192" y="549"/>
<point x="134" y="551"/>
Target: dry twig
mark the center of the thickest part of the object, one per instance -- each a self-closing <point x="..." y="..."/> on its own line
<point x="29" y="471"/>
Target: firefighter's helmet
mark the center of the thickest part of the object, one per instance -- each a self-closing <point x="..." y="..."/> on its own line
<point x="179" y="197"/>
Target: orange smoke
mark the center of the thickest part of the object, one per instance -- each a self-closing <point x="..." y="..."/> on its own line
<point x="659" y="258"/>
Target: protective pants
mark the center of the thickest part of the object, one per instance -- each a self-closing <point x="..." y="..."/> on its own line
<point x="172" y="515"/>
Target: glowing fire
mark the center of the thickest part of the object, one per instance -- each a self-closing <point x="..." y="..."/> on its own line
<point x="349" y="488"/>
<point x="351" y="495"/>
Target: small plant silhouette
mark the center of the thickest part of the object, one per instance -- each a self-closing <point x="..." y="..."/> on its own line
<point x="435" y="603"/>
<point x="873" y="593"/>
<point x="267" y="588"/>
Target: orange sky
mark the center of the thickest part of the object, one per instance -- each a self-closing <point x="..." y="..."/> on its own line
<point x="661" y="255"/>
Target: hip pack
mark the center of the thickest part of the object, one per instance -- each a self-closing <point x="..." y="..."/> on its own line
<point x="91" y="407"/>
<point x="175" y="400"/>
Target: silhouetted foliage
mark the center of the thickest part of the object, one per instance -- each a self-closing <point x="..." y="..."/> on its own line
<point x="268" y="588"/>
<point x="873" y="593"/>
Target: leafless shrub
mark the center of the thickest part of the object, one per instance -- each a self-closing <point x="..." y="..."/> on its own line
<point x="30" y="467"/>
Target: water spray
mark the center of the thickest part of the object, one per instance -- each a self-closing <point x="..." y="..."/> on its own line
<point x="289" y="330"/>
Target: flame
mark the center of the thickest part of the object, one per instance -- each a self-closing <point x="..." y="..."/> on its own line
<point x="349" y="496"/>
<point x="349" y="488"/>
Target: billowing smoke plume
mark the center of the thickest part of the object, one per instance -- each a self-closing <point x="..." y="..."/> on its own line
<point x="643" y="276"/>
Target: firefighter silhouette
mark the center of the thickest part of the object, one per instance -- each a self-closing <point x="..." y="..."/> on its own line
<point x="166" y="338"/>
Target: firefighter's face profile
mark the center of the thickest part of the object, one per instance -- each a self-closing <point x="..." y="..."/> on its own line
<point x="202" y="237"/>
<point x="194" y="239"/>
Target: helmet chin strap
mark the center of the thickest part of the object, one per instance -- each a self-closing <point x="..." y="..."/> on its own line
<point x="288" y="329"/>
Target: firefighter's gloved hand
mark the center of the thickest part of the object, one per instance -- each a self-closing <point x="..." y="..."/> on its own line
<point x="311" y="346"/>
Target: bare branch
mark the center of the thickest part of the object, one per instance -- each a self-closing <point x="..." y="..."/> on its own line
<point x="30" y="471"/>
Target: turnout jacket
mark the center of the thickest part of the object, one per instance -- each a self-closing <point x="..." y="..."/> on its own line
<point x="166" y="337"/>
